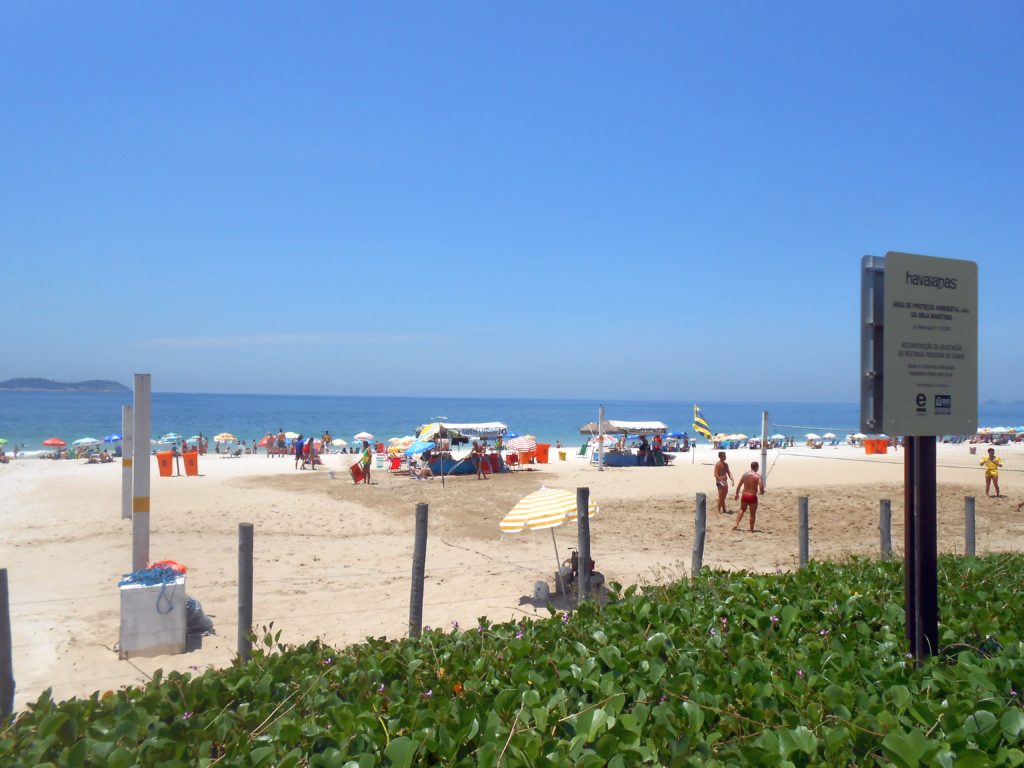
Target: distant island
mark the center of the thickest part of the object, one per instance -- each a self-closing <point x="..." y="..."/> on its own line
<point x="48" y="385"/>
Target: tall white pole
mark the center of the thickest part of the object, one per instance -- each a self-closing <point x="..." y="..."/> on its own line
<point x="127" y="457"/>
<point x="142" y="414"/>
<point x="764" y="447"/>
<point x="600" y="438"/>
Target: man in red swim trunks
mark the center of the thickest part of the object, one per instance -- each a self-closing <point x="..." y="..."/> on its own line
<point x="750" y="485"/>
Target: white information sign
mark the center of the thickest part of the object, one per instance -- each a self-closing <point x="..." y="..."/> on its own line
<point x="930" y="346"/>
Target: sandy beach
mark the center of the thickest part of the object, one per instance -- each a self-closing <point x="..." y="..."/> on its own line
<point x="333" y="560"/>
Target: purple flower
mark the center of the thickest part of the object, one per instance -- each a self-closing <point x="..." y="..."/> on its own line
<point x="380" y="688"/>
<point x="328" y="661"/>
<point x="1013" y="692"/>
<point x="800" y="674"/>
<point x="664" y="698"/>
<point x="823" y="633"/>
<point x="455" y="625"/>
<point x="565" y="618"/>
<point x="774" y="619"/>
<point x="724" y="622"/>
<point x="713" y="632"/>
<point x="519" y="634"/>
<point x="480" y="629"/>
<point x="186" y="715"/>
<point x="429" y="693"/>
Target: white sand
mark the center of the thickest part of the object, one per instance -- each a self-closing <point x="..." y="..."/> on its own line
<point x="334" y="560"/>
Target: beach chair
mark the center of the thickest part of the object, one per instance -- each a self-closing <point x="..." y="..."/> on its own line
<point x="512" y="459"/>
<point x="583" y="451"/>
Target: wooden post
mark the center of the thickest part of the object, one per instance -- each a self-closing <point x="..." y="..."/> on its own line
<point x="245" y="539"/>
<point x="969" y="526"/>
<point x="804" y="547"/>
<point x="419" y="566"/>
<point x="6" y="651"/>
<point x="701" y="525"/>
<point x="127" y="448"/>
<point x="142" y="415"/>
<point x="885" y="528"/>
<point x="583" y="531"/>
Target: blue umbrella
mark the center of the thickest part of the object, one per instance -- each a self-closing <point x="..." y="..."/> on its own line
<point x="674" y="434"/>
<point x="419" y="447"/>
<point x="510" y="435"/>
<point x="112" y="438"/>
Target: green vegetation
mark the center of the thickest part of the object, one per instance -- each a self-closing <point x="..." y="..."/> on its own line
<point x="48" y="385"/>
<point x="804" y="668"/>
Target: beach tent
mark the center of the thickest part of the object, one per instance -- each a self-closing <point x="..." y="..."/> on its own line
<point x="487" y="430"/>
<point x="638" y="428"/>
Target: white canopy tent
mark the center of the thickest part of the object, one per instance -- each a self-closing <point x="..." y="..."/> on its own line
<point x="487" y="430"/>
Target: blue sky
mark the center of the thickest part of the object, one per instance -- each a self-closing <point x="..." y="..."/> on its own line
<point x="607" y="200"/>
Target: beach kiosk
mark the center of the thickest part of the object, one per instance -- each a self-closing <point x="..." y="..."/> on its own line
<point x="445" y="434"/>
<point x="621" y="455"/>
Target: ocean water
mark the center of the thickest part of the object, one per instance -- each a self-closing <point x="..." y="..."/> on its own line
<point x="30" y="417"/>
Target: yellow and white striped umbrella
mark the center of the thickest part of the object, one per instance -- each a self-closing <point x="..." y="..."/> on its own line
<point x="546" y="508"/>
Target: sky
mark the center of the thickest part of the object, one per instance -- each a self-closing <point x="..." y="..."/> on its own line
<point x="560" y="200"/>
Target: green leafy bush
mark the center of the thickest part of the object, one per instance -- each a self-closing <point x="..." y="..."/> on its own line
<point x="791" y="669"/>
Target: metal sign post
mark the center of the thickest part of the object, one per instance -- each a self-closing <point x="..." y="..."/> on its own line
<point x="919" y="367"/>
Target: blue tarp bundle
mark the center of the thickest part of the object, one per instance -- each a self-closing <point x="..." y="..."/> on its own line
<point x="148" y="577"/>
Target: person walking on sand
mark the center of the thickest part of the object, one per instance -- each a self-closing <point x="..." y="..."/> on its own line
<point x="991" y="465"/>
<point x="366" y="460"/>
<point x="751" y="484"/>
<point x="477" y="456"/>
<point x="722" y="479"/>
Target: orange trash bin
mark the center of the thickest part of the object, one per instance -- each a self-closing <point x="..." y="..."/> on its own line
<point x="191" y="463"/>
<point x="165" y="462"/>
<point x="881" y="446"/>
<point x="542" y="452"/>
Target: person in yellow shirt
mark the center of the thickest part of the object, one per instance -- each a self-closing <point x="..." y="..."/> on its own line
<point x="991" y="465"/>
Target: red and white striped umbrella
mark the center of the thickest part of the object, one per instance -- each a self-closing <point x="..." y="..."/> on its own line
<point x="524" y="443"/>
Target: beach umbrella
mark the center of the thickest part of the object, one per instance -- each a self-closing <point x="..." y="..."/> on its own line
<point x="291" y="435"/>
<point x="544" y="508"/>
<point x="829" y="436"/>
<point x="363" y="436"/>
<point x="812" y="436"/>
<point x="2" y="441"/>
<point x="170" y="437"/>
<point x="524" y="443"/>
<point x="269" y="439"/>
<point x="337" y="441"/>
<point x="999" y="430"/>
<point x="225" y="437"/>
<point x="674" y="435"/>
<point x="419" y="446"/>
<point x="778" y="437"/>
<point x="739" y="436"/>
<point x="54" y="442"/>
<point x="112" y="438"/>
<point x="606" y="439"/>
<point x="858" y="436"/>
<point x="86" y="441"/>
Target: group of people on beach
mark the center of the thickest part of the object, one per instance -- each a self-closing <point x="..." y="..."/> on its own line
<point x="751" y="486"/>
